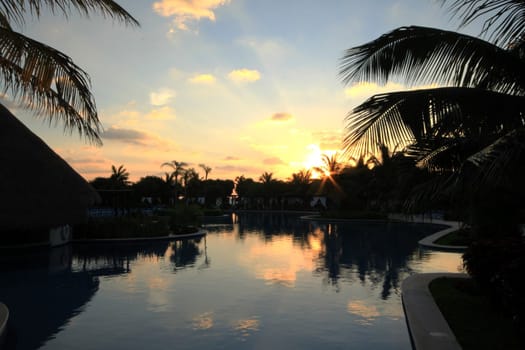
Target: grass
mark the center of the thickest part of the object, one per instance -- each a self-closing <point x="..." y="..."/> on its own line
<point x="459" y="237"/>
<point x="475" y="321"/>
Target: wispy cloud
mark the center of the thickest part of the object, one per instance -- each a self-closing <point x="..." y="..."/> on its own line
<point x="145" y="140"/>
<point x="187" y="11"/>
<point x="281" y="117"/>
<point x="131" y="136"/>
<point x="328" y="139"/>
<point x="161" y="97"/>
<point x="231" y="158"/>
<point x="244" y="75"/>
<point x="273" y="161"/>
<point x="163" y="113"/>
<point x="268" y="50"/>
<point x="202" y="79"/>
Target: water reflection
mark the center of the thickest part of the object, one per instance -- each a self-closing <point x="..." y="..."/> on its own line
<point x="45" y="289"/>
<point x="255" y="281"/>
<point x="378" y="253"/>
<point x="184" y="253"/>
<point x="42" y="297"/>
<point x="374" y="252"/>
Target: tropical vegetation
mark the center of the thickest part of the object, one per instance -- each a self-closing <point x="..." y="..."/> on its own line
<point x="466" y="131"/>
<point x="44" y="79"/>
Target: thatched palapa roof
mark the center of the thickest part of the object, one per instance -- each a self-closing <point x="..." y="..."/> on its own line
<point x="38" y="189"/>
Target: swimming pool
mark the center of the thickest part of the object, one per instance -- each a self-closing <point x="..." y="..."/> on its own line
<point x="258" y="281"/>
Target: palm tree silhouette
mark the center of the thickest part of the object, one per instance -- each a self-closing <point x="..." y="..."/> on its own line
<point x="266" y="178"/>
<point x="177" y="167"/>
<point x="331" y="165"/>
<point x="178" y="170"/>
<point x="303" y="177"/>
<point x="475" y="119"/>
<point x="43" y="79"/>
<point x="119" y="176"/>
<point x="206" y="170"/>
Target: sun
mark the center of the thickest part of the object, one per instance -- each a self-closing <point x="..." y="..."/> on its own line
<point x="314" y="159"/>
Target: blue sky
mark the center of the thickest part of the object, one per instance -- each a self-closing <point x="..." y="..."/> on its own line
<point x="243" y="86"/>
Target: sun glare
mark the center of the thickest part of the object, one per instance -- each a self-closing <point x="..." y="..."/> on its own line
<point x="314" y="159"/>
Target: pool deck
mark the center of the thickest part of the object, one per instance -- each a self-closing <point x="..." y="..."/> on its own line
<point x="427" y="327"/>
<point x="429" y="241"/>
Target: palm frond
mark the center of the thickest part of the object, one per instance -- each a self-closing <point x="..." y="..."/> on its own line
<point x="425" y="195"/>
<point x="446" y="154"/>
<point x="403" y="118"/>
<point x="4" y="21"/>
<point x="16" y="10"/>
<point x="496" y="162"/>
<point x="422" y="55"/>
<point x="48" y="82"/>
<point x="505" y="23"/>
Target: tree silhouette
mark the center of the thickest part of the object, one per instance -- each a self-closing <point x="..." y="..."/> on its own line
<point x="266" y="178"/>
<point x="472" y="126"/>
<point x="119" y="176"/>
<point x="207" y="170"/>
<point x="177" y="167"/>
<point x="331" y="165"/>
<point x="43" y="79"/>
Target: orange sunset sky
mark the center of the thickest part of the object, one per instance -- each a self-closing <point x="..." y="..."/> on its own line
<point x="243" y="86"/>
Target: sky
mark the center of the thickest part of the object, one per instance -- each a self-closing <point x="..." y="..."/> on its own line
<point x="242" y="86"/>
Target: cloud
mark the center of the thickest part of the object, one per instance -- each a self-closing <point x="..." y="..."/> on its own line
<point x="164" y="113"/>
<point x="238" y="169"/>
<point x="273" y="161"/>
<point x="328" y="139"/>
<point x="282" y="117"/>
<point x="131" y="136"/>
<point x="230" y="158"/>
<point x="161" y="97"/>
<point x="186" y="11"/>
<point x="268" y="50"/>
<point x="202" y="79"/>
<point x="85" y="160"/>
<point x="244" y="75"/>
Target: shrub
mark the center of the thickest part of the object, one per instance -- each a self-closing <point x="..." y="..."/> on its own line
<point x="498" y="265"/>
<point x="123" y="227"/>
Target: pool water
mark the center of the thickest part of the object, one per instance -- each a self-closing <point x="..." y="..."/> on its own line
<point x="256" y="281"/>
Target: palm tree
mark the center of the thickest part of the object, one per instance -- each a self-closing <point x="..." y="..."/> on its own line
<point x="454" y="128"/>
<point x="119" y="176"/>
<point x="206" y="170"/>
<point x="189" y="177"/>
<point x="303" y="177"/>
<point x="268" y="183"/>
<point x="331" y="165"/>
<point x="177" y="167"/>
<point x="168" y="179"/>
<point x="43" y="79"/>
<point x="266" y="178"/>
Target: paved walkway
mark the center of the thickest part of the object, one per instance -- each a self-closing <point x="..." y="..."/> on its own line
<point x="428" y="328"/>
<point x="428" y="242"/>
